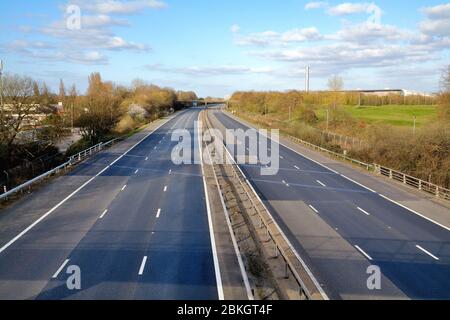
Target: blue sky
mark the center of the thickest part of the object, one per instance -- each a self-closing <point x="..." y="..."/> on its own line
<point x="217" y="47"/>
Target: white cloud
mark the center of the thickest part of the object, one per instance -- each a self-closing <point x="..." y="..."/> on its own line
<point x="369" y="32"/>
<point x="299" y="35"/>
<point x="342" y="56"/>
<point x="267" y="38"/>
<point x="119" y="7"/>
<point x="353" y="8"/>
<point x="438" y="12"/>
<point x="316" y="5"/>
<point x="436" y="27"/>
<point x="90" y="57"/>
<point x="437" y="22"/>
<point x="211" y="70"/>
<point x="235" y="28"/>
<point x="96" y="36"/>
<point x="101" y="20"/>
<point x="43" y="51"/>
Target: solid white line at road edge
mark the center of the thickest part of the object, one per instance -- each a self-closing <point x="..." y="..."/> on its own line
<point x="60" y="269"/>
<point x="6" y="246"/>
<point x="427" y="252"/>
<point x="141" y="269"/>
<point x="210" y="223"/>
<point x="363" y="252"/>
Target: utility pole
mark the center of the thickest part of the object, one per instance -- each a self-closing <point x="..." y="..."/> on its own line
<point x="328" y="118"/>
<point x="307" y="79"/>
<point x="71" y="120"/>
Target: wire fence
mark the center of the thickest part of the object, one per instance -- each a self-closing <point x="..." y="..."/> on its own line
<point x="6" y="192"/>
<point x="28" y="170"/>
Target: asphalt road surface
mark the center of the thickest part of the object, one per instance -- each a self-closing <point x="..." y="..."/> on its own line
<point x="138" y="230"/>
<point x="352" y="228"/>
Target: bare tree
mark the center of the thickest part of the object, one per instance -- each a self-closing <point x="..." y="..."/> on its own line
<point x="71" y="99"/>
<point x="101" y="109"/>
<point x="62" y="91"/>
<point x="444" y="96"/>
<point x="445" y="80"/>
<point x="19" y="107"/>
<point x="335" y="83"/>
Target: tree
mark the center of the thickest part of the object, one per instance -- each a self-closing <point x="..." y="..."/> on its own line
<point x="19" y="107"/>
<point x="62" y="92"/>
<point x="445" y="80"/>
<point x="36" y="90"/>
<point x="444" y="96"/>
<point x="101" y="109"/>
<point x="186" y="96"/>
<point x="335" y="83"/>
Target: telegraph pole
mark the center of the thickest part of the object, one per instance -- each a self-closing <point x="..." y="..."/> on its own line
<point x="307" y="79"/>
<point x="71" y="117"/>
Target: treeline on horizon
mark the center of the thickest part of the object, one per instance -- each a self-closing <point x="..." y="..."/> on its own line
<point x="425" y="154"/>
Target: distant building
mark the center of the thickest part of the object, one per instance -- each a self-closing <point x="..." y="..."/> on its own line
<point x="387" y="92"/>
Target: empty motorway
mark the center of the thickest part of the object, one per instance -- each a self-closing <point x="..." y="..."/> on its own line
<point x="342" y="227"/>
<point x="135" y="224"/>
<point x="139" y="227"/>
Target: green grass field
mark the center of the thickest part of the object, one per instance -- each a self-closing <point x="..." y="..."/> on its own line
<point x="401" y="116"/>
